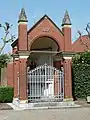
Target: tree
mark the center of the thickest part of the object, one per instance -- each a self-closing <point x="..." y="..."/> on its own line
<point x="4" y="59"/>
<point x="8" y="37"/>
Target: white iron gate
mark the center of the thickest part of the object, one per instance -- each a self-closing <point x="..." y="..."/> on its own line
<point x="45" y="83"/>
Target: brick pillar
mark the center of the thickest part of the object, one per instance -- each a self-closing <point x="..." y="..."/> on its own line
<point x="23" y="79"/>
<point x="67" y="37"/>
<point x="67" y="78"/>
<point x="15" y="76"/>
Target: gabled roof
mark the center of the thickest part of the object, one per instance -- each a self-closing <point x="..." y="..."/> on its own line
<point x="16" y="41"/>
<point x="45" y="16"/>
<point x="81" y="44"/>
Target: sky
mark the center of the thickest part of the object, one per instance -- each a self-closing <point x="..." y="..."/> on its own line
<point x="79" y="11"/>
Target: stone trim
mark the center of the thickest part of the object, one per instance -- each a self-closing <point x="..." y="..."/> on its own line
<point x="69" y="26"/>
<point x="23" y="101"/>
<point x="16" y="58"/>
<point x="67" y="57"/>
<point x="15" y="47"/>
<point x="22" y="22"/>
<point x="15" y="99"/>
<point x="68" y="99"/>
<point x="23" y="53"/>
<point x="68" y="52"/>
<point x="15" y="55"/>
<point x="23" y="56"/>
<point x="57" y="59"/>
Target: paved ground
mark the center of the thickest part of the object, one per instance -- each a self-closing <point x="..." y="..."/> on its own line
<point x="82" y="103"/>
<point x="53" y="114"/>
<point x="4" y="106"/>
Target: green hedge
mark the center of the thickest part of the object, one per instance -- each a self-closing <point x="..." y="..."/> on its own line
<point x="81" y="75"/>
<point x="6" y="94"/>
<point x="81" y="80"/>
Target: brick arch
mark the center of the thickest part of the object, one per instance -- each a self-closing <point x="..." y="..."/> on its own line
<point x="40" y="36"/>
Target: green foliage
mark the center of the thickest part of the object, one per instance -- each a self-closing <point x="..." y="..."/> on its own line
<point x="81" y="75"/>
<point x="4" y="59"/>
<point x="6" y="94"/>
<point x="82" y="58"/>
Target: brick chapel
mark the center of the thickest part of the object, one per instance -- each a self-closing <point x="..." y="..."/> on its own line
<point x="44" y="52"/>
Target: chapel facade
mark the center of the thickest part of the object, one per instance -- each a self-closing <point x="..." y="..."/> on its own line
<point x="42" y="60"/>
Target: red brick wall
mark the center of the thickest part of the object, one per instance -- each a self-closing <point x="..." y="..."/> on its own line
<point x="10" y="74"/>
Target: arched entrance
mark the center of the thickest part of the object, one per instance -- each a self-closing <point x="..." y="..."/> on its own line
<point x="43" y="50"/>
<point x="45" y="82"/>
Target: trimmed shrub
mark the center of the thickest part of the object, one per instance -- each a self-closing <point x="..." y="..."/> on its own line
<point x="81" y="80"/>
<point x="81" y="75"/>
<point x="6" y="94"/>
